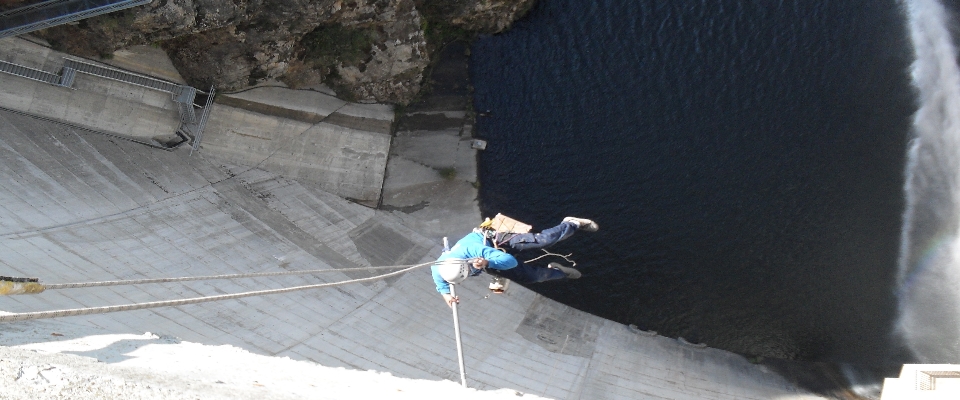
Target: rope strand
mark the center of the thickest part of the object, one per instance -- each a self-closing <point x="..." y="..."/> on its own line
<point x="565" y="257"/>
<point x="194" y="300"/>
<point x="208" y="277"/>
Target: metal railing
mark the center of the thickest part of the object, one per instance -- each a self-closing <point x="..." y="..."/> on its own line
<point x="57" y="12"/>
<point x="207" y="107"/>
<point x="183" y="95"/>
<point x="191" y="127"/>
<point x="29" y="73"/>
<point x="128" y="77"/>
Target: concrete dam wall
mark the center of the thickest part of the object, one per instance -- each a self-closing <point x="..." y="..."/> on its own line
<point x="77" y="206"/>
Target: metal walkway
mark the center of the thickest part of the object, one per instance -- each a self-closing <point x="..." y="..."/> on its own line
<point x="183" y="95"/>
<point x="123" y="76"/>
<point x="56" y="12"/>
<point x="191" y="127"/>
<point x="37" y="75"/>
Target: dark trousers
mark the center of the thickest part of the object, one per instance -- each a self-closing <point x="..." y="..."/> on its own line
<point x="526" y="273"/>
<point x="542" y="240"/>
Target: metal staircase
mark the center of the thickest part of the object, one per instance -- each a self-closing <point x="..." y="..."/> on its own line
<point x="56" y="12"/>
<point x="31" y="73"/>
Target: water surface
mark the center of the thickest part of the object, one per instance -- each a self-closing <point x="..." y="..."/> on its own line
<point x="745" y="161"/>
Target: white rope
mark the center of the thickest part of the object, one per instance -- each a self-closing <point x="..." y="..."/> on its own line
<point x="169" y="303"/>
<point x="208" y="277"/>
<point x="565" y="257"/>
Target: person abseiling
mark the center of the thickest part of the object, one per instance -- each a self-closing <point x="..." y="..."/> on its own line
<point x="482" y="248"/>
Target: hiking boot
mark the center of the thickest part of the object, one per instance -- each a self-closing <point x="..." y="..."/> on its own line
<point x="571" y="273"/>
<point x="583" y="224"/>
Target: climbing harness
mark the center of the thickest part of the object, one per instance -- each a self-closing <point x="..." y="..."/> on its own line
<point x="30" y="285"/>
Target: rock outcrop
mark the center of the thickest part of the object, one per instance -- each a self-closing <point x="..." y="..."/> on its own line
<point x="487" y="16"/>
<point x="367" y="50"/>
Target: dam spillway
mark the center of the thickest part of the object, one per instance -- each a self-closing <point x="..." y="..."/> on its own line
<point x="77" y="205"/>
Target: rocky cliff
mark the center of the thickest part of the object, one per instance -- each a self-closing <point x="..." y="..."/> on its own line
<point x="367" y="50"/>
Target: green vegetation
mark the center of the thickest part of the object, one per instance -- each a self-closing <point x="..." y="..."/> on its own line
<point x="115" y="21"/>
<point x="755" y="359"/>
<point x="439" y="33"/>
<point x="329" y="45"/>
<point x="449" y="173"/>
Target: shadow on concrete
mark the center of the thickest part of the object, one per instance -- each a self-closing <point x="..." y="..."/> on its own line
<point x="117" y="351"/>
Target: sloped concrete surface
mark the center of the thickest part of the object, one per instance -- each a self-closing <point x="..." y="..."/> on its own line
<point x="301" y="144"/>
<point x="266" y="192"/>
<point x="148" y="60"/>
<point x="78" y="206"/>
<point x="431" y="177"/>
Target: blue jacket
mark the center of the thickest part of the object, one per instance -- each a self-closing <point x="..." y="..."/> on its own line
<point x="472" y="246"/>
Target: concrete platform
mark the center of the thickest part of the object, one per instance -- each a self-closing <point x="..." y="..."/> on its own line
<point x="338" y="146"/>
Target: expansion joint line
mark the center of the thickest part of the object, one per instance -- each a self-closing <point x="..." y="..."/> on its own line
<point x="195" y="300"/>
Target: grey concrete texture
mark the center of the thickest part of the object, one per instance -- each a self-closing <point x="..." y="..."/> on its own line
<point x="341" y="160"/>
<point x="316" y="138"/>
<point x="431" y="179"/>
<point x="78" y="206"/>
<point x="301" y="100"/>
<point x="306" y="135"/>
<point x="431" y="182"/>
<point x="94" y="103"/>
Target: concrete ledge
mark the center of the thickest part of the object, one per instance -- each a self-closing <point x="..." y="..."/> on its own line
<point x="94" y="103"/>
<point x="344" y="161"/>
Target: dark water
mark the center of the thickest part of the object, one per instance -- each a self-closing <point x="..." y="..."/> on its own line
<point x="745" y="161"/>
